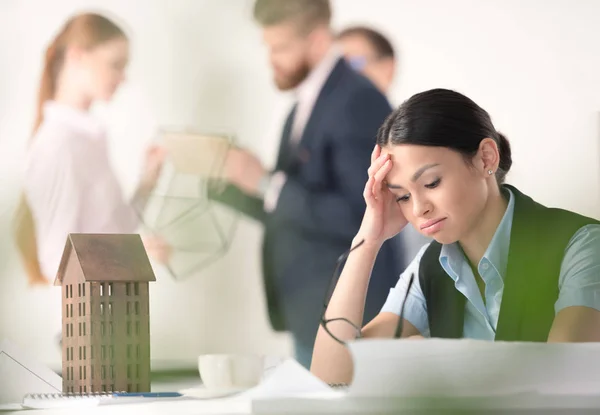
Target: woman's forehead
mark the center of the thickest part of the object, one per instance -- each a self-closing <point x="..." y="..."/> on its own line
<point x="412" y="154"/>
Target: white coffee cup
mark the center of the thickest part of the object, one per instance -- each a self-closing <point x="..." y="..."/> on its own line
<point x="230" y="371"/>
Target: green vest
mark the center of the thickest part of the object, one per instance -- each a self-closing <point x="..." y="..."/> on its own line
<point x="538" y="239"/>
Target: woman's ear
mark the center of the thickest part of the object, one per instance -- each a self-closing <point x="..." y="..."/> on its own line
<point x="490" y="156"/>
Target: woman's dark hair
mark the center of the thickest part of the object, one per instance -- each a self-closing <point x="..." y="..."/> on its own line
<point x="444" y="118"/>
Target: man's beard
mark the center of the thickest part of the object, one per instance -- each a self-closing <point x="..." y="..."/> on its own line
<point x="293" y="79"/>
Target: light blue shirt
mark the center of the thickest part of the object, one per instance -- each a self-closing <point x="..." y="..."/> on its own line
<point x="578" y="284"/>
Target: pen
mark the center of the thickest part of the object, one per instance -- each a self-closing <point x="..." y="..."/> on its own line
<point x="147" y="394"/>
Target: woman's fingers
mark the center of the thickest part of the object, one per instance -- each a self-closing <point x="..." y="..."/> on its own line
<point x="376" y="165"/>
<point x="380" y="177"/>
<point x="375" y="153"/>
<point x="368" y="192"/>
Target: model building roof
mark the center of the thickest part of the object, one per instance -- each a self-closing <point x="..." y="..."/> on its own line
<point x="107" y="258"/>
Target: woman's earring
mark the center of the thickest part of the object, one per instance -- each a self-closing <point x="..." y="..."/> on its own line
<point x="490" y="172"/>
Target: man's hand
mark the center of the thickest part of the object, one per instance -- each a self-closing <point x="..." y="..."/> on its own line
<point x="244" y="170"/>
<point x="157" y="248"/>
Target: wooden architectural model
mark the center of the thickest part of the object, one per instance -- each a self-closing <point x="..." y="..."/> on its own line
<point x="105" y="313"/>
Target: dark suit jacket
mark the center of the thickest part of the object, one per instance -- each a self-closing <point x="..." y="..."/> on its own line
<point x="321" y="205"/>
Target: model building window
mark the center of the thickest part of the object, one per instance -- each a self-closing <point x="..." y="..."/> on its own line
<point x="91" y="328"/>
<point x="128" y="308"/>
<point x="84" y="349"/>
<point x="79" y="328"/>
<point x="101" y="289"/>
<point x="112" y="372"/>
<point x="68" y="357"/>
<point x="103" y="372"/>
<point x="84" y="372"/>
<point x="136" y="288"/>
<point x="110" y="328"/>
<point x="67" y="310"/>
<point x="67" y="329"/>
<point x="91" y="352"/>
<point x="128" y="289"/>
<point x="111" y="352"/>
<point x="110" y="287"/>
<point x="92" y="372"/>
<point x="110" y="309"/>
<point x="103" y="388"/>
<point x="79" y="290"/>
<point x="71" y="307"/>
<point x="137" y="328"/>
<point x="84" y="328"/>
<point x="83" y="289"/>
<point x="80" y="372"/>
<point x="137" y="308"/>
<point x="68" y="377"/>
<point x="83" y="309"/>
<point x="72" y="377"/>
<point x="101" y="309"/>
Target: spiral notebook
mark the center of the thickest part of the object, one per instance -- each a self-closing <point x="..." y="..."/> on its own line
<point x="69" y="400"/>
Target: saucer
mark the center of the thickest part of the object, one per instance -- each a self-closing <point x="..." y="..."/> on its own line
<point x="202" y="392"/>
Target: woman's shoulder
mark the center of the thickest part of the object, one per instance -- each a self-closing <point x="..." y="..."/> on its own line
<point x="415" y="263"/>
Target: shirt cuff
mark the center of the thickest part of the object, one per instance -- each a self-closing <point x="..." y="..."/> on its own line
<point x="273" y="191"/>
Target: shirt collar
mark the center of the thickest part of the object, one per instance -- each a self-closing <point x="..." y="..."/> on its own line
<point x="317" y="77"/>
<point x="74" y="118"/>
<point x="497" y="251"/>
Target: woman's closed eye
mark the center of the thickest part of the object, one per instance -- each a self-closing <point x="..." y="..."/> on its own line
<point x="432" y="185"/>
<point x="402" y="199"/>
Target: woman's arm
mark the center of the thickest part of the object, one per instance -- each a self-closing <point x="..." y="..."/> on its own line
<point x="331" y="361"/>
<point x="578" y="306"/>
<point x="576" y="324"/>
<point x="383" y="219"/>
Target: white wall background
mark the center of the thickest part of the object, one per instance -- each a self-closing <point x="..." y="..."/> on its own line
<point x="534" y="65"/>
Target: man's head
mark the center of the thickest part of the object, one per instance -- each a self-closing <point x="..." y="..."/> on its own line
<point x="370" y="53"/>
<point x="297" y="35"/>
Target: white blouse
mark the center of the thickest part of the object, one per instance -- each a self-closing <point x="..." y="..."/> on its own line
<point x="70" y="185"/>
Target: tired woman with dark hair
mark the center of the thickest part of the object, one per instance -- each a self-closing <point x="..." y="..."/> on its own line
<point x="501" y="266"/>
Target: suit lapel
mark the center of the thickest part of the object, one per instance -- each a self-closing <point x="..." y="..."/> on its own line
<point x="314" y="120"/>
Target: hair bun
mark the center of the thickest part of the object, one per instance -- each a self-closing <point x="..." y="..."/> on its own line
<point x="505" y="153"/>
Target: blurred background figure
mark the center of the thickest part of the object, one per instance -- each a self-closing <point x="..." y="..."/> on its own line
<point x="312" y="203"/>
<point x="69" y="185"/>
<point x="370" y="53"/>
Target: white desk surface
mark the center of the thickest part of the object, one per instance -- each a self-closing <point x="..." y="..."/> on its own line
<point x="234" y="406"/>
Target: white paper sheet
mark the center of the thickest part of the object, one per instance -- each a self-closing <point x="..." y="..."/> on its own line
<point x="471" y="368"/>
<point x="291" y="379"/>
<point x="21" y="374"/>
